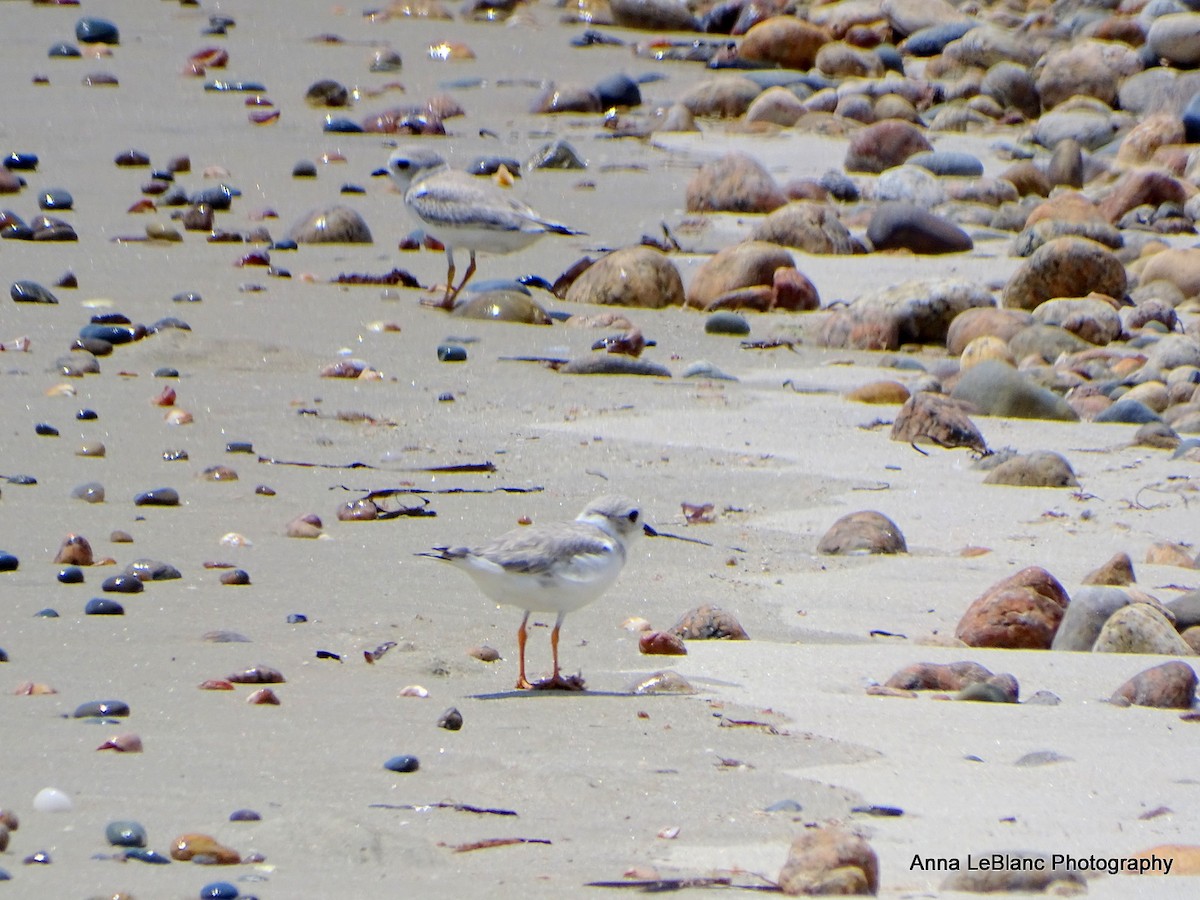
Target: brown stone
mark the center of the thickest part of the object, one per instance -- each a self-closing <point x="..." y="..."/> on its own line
<point x="1139" y="187"/>
<point x="862" y="533"/>
<point x="75" y="551"/>
<point x="734" y="183"/>
<point x="938" y="676"/>
<point x="791" y="290"/>
<point x="829" y="862"/>
<point x="661" y="643"/>
<point x="1171" y="685"/>
<point x="1118" y="571"/>
<point x="879" y="392"/>
<point x="738" y="266"/>
<point x="984" y="321"/>
<point x="637" y="276"/>
<point x="1165" y="553"/>
<point x="1065" y="267"/>
<point x="808" y="226"/>
<point x="928" y="418"/>
<point x="1041" y="468"/>
<point x="1027" y="178"/>
<point x="786" y="41"/>
<point x="1148" y="136"/>
<point x="1021" y="612"/>
<point x="884" y="145"/>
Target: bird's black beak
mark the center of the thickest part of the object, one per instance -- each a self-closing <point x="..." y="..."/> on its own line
<point x="379" y="172"/>
<point x="648" y="531"/>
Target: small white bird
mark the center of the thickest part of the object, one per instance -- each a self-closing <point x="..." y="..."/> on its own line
<point x="461" y="210"/>
<point x="552" y="568"/>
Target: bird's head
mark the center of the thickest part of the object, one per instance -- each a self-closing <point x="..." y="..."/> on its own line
<point x="406" y="165"/>
<point x="619" y="516"/>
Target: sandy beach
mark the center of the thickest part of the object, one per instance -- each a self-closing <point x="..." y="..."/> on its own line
<point x="779" y="734"/>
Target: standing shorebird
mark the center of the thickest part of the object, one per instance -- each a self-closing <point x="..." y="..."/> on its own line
<point x="552" y="568"/>
<point x="461" y="210"/>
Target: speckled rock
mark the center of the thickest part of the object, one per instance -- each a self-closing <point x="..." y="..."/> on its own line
<point x="808" y="226"/>
<point x="928" y="418"/>
<point x="829" y="861"/>
<point x="1022" y="611"/>
<point x="1065" y="267"/>
<point x="1140" y="628"/>
<point x="1090" y="608"/>
<point x="1118" y="572"/>
<point x="724" y="96"/>
<point x="785" y="41"/>
<point x="737" y="266"/>
<point x="883" y="145"/>
<point x="1080" y="68"/>
<point x="1095" y="319"/>
<point x="331" y="225"/>
<point x="909" y="312"/>
<point x="978" y="322"/>
<point x="1042" y="468"/>
<point x="1176" y="38"/>
<point x="1179" y="266"/>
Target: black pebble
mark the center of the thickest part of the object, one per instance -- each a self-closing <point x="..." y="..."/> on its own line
<point x="244" y="815"/>
<point x="402" y="764"/>
<point x="123" y="584"/>
<point x="297" y="619"/>
<point x="86" y="415"/>
<point x="30" y="292"/>
<point x="451" y="353"/>
<point x="101" y="606"/>
<point x="96" y="708"/>
<point x="157" y="497"/>
<point x="187" y="297"/>
<point x="71" y="575"/>
<point x="46" y="613"/>
<point x="166" y="372"/>
<point x="141" y="854"/>
<point x="46" y="430"/>
<point x="239" y="447"/>
<point x="451" y="720"/>
<point x="21" y="161"/>
<point x="8" y="562"/>
<point x="22" y="479"/>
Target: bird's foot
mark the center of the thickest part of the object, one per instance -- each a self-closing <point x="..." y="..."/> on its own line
<point x="446" y="302"/>
<point x="523" y="684"/>
<point x="560" y="683"/>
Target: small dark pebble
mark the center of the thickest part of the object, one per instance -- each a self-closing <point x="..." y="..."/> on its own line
<point x="446" y="398"/>
<point x="236" y="87"/>
<point x="30" y="292"/>
<point x="166" y="372"/>
<point x="131" y="158"/>
<point x="489" y="165"/>
<point x="451" y="720"/>
<point x="187" y="297"/>
<point x="92" y="30"/>
<point x="56" y="199"/>
<point x="153" y="857"/>
<point x="353" y="189"/>
<point x="336" y="125"/>
<point x="23" y="162"/>
<point x="64" y="50"/>
<point x="883" y="811"/>
<point x="86" y="415"/>
<point x="329" y="654"/>
<point x="264" y="491"/>
<point x="45" y="430"/>
<point x="306" y="168"/>
<point x="95" y="347"/>
<point x="96" y="708"/>
<point x="8" y="562"/>
<point x="71" y="575"/>
<point x="219" y="890"/>
<point x="402" y="764"/>
<point x="296" y="618"/>
<point x="152" y="570"/>
<point x="47" y="228"/>
<point x="41" y="858"/>
<point x="123" y="584"/>
<point x="244" y="815"/>
<point x="101" y="606"/>
<point x="114" y="334"/>
<point x="451" y="353"/>
<point x="219" y="197"/>
<point x="174" y="455"/>
<point x="120" y="537"/>
<point x="284" y="245"/>
<point x="239" y="447"/>
<point x="90" y="492"/>
<point x="168" y="322"/>
<point x="157" y="497"/>
<point x="726" y="323"/>
<point x="784" y="806"/>
<point x="21" y="479"/>
<point x="67" y="280"/>
<point x="125" y="834"/>
<point x="235" y="577"/>
<point x="557" y="155"/>
<point x="46" y="613"/>
<point x="3" y="655"/>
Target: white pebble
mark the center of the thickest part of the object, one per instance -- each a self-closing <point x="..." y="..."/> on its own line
<point x="52" y="800"/>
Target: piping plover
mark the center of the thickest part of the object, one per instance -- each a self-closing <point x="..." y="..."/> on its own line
<point x="461" y="210"/>
<point x="552" y="568"/>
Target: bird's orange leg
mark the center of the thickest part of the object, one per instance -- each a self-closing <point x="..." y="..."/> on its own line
<point x="556" y="680"/>
<point x="522" y="636"/>
<point x="453" y="295"/>
<point x="447" y="301"/>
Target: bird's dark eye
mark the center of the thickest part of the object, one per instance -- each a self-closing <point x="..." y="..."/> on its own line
<point x="633" y="516"/>
<point x="401" y="164"/>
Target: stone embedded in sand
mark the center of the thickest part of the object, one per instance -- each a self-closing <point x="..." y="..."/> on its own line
<point x="1148" y="136"/>
<point x="1169" y="686"/>
<point x="653" y="15"/>
<point x="612" y="364"/>
<point x="910" y="16"/>
<point x="1022" y="871"/>
<point x="1094" y="318"/>
<point x="1140" y="628"/>
<point x="661" y="643"/>
<point x="883" y="145"/>
<point x="829" y="861"/>
<point x="305" y="526"/>
<point x="984" y="348"/>
<point x="938" y="676"/>
<point x="864" y="532"/>
<point x="996" y="389"/>
<point x="776" y="105"/>
<point x="1022" y="611"/>
<point x="1140" y="187"/>
<point x="839" y="59"/>
<point x="997" y="689"/>
<point x="785" y="41"/>
<point x="743" y="265"/>
<point x="792" y="291"/>
<point x="1042" y="468"/>
<point x="1065" y="267"/>
<point x="331" y="225"/>
<point x="808" y="226"/>
<point x="203" y="848"/>
<point x="734" y="183"/>
<point x="568" y="97"/>
<point x="1090" y="608"/>
<point x="1047" y="342"/>
<point x="725" y="96"/>
<point x="984" y="321"/>
<point x="1028" y="179"/>
<point x="1118" y="572"/>
<point x="929" y="418"/>
<point x="164" y="496"/>
<point x="502" y="306"/>
<point x="1079" y="69"/>
<point x="911" y="184"/>
<point x="708" y="622"/>
<point x="25" y="291"/>
<point x="884" y="392"/>
<point x="1159" y="435"/>
<point x="636" y="276"/>
<point x="899" y="225"/>
<point x="912" y="312"/>
<point x="74" y="551"/>
<point x="1127" y="411"/>
<point x="1166" y="553"/>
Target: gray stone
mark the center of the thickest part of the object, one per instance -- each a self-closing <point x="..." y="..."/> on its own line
<point x="997" y="389"/>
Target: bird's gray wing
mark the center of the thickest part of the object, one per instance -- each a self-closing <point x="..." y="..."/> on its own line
<point x="453" y="201"/>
